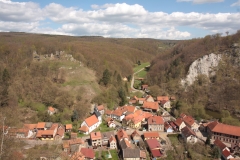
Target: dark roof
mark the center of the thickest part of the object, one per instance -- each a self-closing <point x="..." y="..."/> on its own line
<point x="220" y="144"/>
<point x="124" y="144"/>
<point x="97" y="113"/>
<point x="48" y="124"/>
<point x="186" y="131"/>
<point x="74" y="148"/>
<point x="107" y="134"/>
<point x="131" y="153"/>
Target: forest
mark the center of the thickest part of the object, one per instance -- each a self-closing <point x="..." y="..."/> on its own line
<point x="219" y="94"/>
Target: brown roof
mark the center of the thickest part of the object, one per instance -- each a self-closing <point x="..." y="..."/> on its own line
<point x="150" y="105"/>
<point x="147" y="115"/>
<point x="108" y="112"/>
<point x="121" y="134"/>
<point x="54" y="126"/>
<point x="101" y="107"/>
<point x="155" y="120"/>
<point x="30" y="126"/>
<point x="91" y="120"/>
<point x="39" y="134"/>
<point x="188" y="120"/>
<point x="130" y="108"/>
<point x="61" y="131"/>
<point x="178" y="122"/>
<point x="143" y="154"/>
<point x="83" y="128"/>
<point x="224" y="128"/>
<point x="151" y="134"/>
<point x="131" y="153"/>
<point x="153" y="144"/>
<point x="135" y="133"/>
<point x="112" y="138"/>
<point x="220" y="144"/>
<point x="22" y="130"/>
<point x="77" y="156"/>
<point x="186" y="131"/>
<point x="76" y="141"/>
<point x="95" y="135"/>
<point x="88" y="152"/>
<point x="41" y="125"/>
<point x="68" y="126"/>
<point x="162" y="98"/>
<point x="47" y="132"/>
<point x="226" y="153"/>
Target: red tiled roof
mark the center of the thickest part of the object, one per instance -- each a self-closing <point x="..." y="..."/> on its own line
<point x="156" y="153"/>
<point x="162" y="98"/>
<point x="41" y="125"/>
<point x="224" y="128"/>
<point x="39" y="134"/>
<point x="77" y="156"/>
<point x="91" y="120"/>
<point x="188" y="120"/>
<point x="150" y="105"/>
<point x="226" y="153"/>
<point x="141" y="99"/>
<point x="88" y="152"/>
<point x="112" y="138"/>
<point x="101" y="107"/>
<point x="61" y="131"/>
<point x="54" y="126"/>
<point x="30" y="126"/>
<point x="151" y="134"/>
<point x="108" y="112"/>
<point x="178" y="122"/>
<point x="83" y="128"/>
<point x="155" y="120"/>
<point x="121" y="134"/>
<point x="153" y="144"/>
<point x="68" y="126"/>
<point x="47" y="132"/>
<point x="22" y="130"/>
<point x="130" y="108"/>
<point x="182" y="115"/>
<point x="76" y="141"/>
<point x="50" y="108"/>
<point x="95" y="135"/>
<point x="220" y="144"/>
<point x="167" y="125"/>
<point x="147" y="115"/>
<point x="135" y="133"/>
<point x="143" y="154"/>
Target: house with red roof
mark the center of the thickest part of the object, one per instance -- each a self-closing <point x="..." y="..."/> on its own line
<point x="88" y="153"/>
<point x="96" y="139"/>
<point x="112" y="142"/>
<point x="155" y="123"/>
<point x="167" y="127"/>
<point x="226" y="154"/>
<point x="101" y="109"/>
<point x="190" y="122"/>
<point x="179" y="123"/>
<point x="51" y="110"/>
<point x="150" y="106"/>
<point x="224" y="132"/>
<point x="150" y="135"/>
<point x="188" y="135"/>
<point x="89" y="124"/>
<point x="68" y="127"/>
<point x="164" y="101"/>
<point x="154" y="147"/>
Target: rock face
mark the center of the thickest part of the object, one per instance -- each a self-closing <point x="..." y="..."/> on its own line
<point x="200" y="66"/>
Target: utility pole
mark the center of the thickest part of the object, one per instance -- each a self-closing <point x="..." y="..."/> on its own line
<point x="2" y="137"/>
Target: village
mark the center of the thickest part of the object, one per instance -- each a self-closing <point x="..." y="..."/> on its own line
<point x="139" y="130"/>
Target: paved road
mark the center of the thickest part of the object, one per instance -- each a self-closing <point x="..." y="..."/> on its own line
<point x="132" y="82"/>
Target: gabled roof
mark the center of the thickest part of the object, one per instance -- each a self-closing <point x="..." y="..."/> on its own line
<point x="226" y="153"/>
<point x="135" y="133"/>
<point x="178" y="122"/>
<point x="30" y="126"/>
<point x="97" y="113"/>
<point x="96" y="135"/>
<point x="131" y="153"/>
<point x="220" y="144"/>
<point x="108" y="112"/>
<point x="188" y="120"/>
<point x="91" y="120"/>
<point x="121" y="134"/>
<point x="88" y="152"/>
<point x="68" y="126"/>
<point x="77" y="156"/>
<point x="156" y="153"/>
<point x="151" y="134"/>
<point x="100" y="108"/>
<point x="224" y="128"/>
<point x="130" y="108"/>
<point x="41" y="125"/>
<point x="125" y="144"/>
<point x="83" y="128"/>
<point x="182" y="115"/>
<point x="153" y="144"/>
<point x="51" y="109"/>
<point x="112" y="138"/>
<point x="186" y="131"/>
<point x="167" y="125"/>
<point x="150" y="105"/>
<point x="158" y="120"/>
<point x="162" y="98"/>
<point x="61" y="131"/>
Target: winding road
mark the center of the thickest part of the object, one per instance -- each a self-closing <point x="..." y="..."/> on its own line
<point x="132" y="82"/>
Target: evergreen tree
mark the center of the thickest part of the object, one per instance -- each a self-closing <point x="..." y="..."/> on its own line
<point x="106" y="77"/>
<point x="75" y="116"/>
<point x="122" y="96"/>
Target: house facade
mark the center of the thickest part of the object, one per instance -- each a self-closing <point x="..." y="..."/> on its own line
<point x="155" y="123"/>
<point x="90" y="124"/>
<point x="188" y="135"/>
<point x="96" y="139"/>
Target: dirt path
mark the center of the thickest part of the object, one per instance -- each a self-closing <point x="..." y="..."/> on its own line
<point x="132" y="82"/>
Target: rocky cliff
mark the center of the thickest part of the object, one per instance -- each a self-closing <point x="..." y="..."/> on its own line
<point x="202" y="66"/>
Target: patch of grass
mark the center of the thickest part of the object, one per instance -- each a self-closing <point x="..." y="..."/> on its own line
<point x="141" y="74"/>
<point x="38" y="107"/>
<point x="104" y="128"/>
<point x="97" y="154"/>
<point x="75" y="83"/>
<point x="114" y="154"/>
<point x="137" y="84"/>
<point x="80" y="134"/>
<point x="174" y="140"/>
<point x="138" y="67"/>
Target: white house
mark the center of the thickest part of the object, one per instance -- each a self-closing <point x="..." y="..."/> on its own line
<point x="179" y="123"/>
<point x="166" y="104"/>
<point x="90" y="124"/>
<point x="188" y="135"/>
<point x="111" y="124"/>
